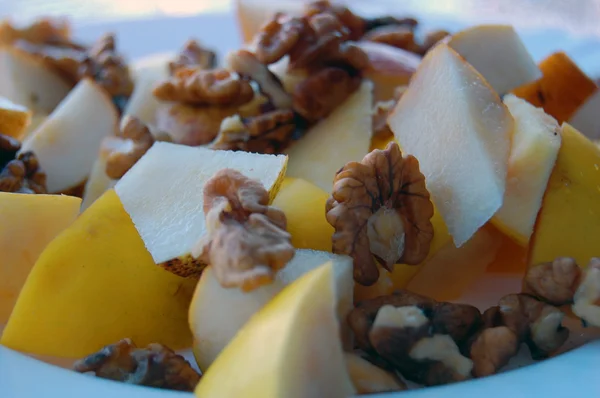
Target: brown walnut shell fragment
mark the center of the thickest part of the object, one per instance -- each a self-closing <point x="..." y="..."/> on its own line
<point x="43" y="31"/>
<point x="587" y="297"/>
<point x="120" y="160"/>
<point x="381" y="209"/>
<point x="321" y="93"/>
<point x="355" y="24"/>
<point x="278" y="37"/>
<point x="107" y="67"/>
<point x="205" y="87"/>
<point x="246" y="241"/>
<point x="193" y="55"/>
<point x="554" y="282"/>
<point x="247" y="64"/>
<point x="153" y="366"/>
<point x="270" y="132"/>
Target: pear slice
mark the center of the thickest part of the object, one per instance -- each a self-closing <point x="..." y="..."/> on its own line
<point x="14" y="118"/>
<point x="163" y="194"/>
<point x="212" y="331"/>
<point x="26" y="80"/>
<point x="291" y="348"/>
<point x="586" y="119"/>
<point x="67" y="142"/>
<point x="498" y="53"/>
<point x="147" y="72"/>
<point x="452" y="121"/>
<point x="342" y="137"/>
<point x="535" y="145"/>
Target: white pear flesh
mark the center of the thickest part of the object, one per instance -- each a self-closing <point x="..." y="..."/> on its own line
<point x="457" y="127"/>
<point x="28" y="81"/>
<point x="147" y="73"/>
<point x="498" y="53"/>
<point x="343" y="136"/>
<point x="587" y="117"/>
<point x="163" y="192"/>
<point x="213" y="331"/>
<point x="535" y="144"/>
<point x="290" y="348"/>
<point x="67" y="142"/>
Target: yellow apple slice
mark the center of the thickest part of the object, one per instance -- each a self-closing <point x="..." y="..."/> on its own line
<point x="163" y="194"/>
<point x="342" y="137"/>
<point x="303" y="204"/>
<point x="14" y="118"/>
<point x="29" y="223"/>
<point x="67" y="142"/>
<point x="95" y="284"/>
<point x="212" y="331"/>
<point x="498" y="53"/>
<point x="535" y="145"/>
<point x="25" y="79"/>
<point x="147" y="72"/>
<point x="452" y="121"/>
<point x="569" y="221"/>
<point x="586" y="119"/>
<point x="290" y="348"/>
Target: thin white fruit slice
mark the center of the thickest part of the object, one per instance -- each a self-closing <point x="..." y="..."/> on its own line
<point x="452" y="121"/>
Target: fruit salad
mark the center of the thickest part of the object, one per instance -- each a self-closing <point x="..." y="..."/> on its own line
<point x="302" y="213"/>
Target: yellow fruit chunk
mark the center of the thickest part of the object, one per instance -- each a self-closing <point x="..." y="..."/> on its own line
<point x="95" y="284"/>
<point x="562" y="89"/>
<point x="14" y="118"/>
<point x="403" y="273"/>
<point x="304" y="206"/>
<point x="448" y="274"/>
<point x="569" y="221"/>
<point x="290" y="348"/>
<point x="27" y="224"/>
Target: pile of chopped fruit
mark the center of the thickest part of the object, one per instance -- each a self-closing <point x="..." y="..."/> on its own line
<point x="303" y="216"/>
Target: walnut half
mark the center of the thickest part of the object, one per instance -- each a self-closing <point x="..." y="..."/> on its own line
<point x="139" y="139"/>
<point x="246" y="241"/>
<point x="381" y="209"/>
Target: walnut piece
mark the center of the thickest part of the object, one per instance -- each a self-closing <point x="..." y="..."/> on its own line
<point x="246" y="241"/>
<point x="107" y="68"/>
<point x="205" y="87"/>
<point x="43" y="31"/>
<point x="153" y="366"/>
<point x="355" y="24"/>
<point x="587" y="297"/>
<point x="9" y="147"/>
<point x="193" y="55"/>
<point x="368" y="378"/>
<point x="492" y="349"/>
<point x="554" y="282"/>
<point x="394" y="35"/>
<point x="319" y="94"/>
<point x="139" y="139"/>
<point x="270" y="132"/>
<point x="21" y="174"/>
<point x="378" y="22"/>
<point x="380" y="208"/>
<point x="278" y="37"/>
<point x="247" y="64"/>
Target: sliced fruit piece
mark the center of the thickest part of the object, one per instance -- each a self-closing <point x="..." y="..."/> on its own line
<point x="368" y="378"/>
<point x="29" y="223"/>
<point x="452" y="121"/>
<point x="586" y="119"/>
<point x="451" y="271"/>
<point x="389" y="68"/>
<point x="163" y="194"/>
<point x="562" y="89"/>
<point x="213" y="331"/>
<point x="67" y="142"/>
<point x="26" y="80"/>
<point x="535" y="145"/>
<point x="290" y="348"/>
<point x="252" y="14"/>
<point x="147" y="72"/>
<point x="304" y="206"/>
<point x="14" y="118"/>
<point x="342" y="137"/>
<point x="498" y="53"/>
<point x="93" y="285"/>
<point x="569" y="222"/>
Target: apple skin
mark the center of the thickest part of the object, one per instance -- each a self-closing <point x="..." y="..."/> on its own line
<point x="389" y="68"/>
